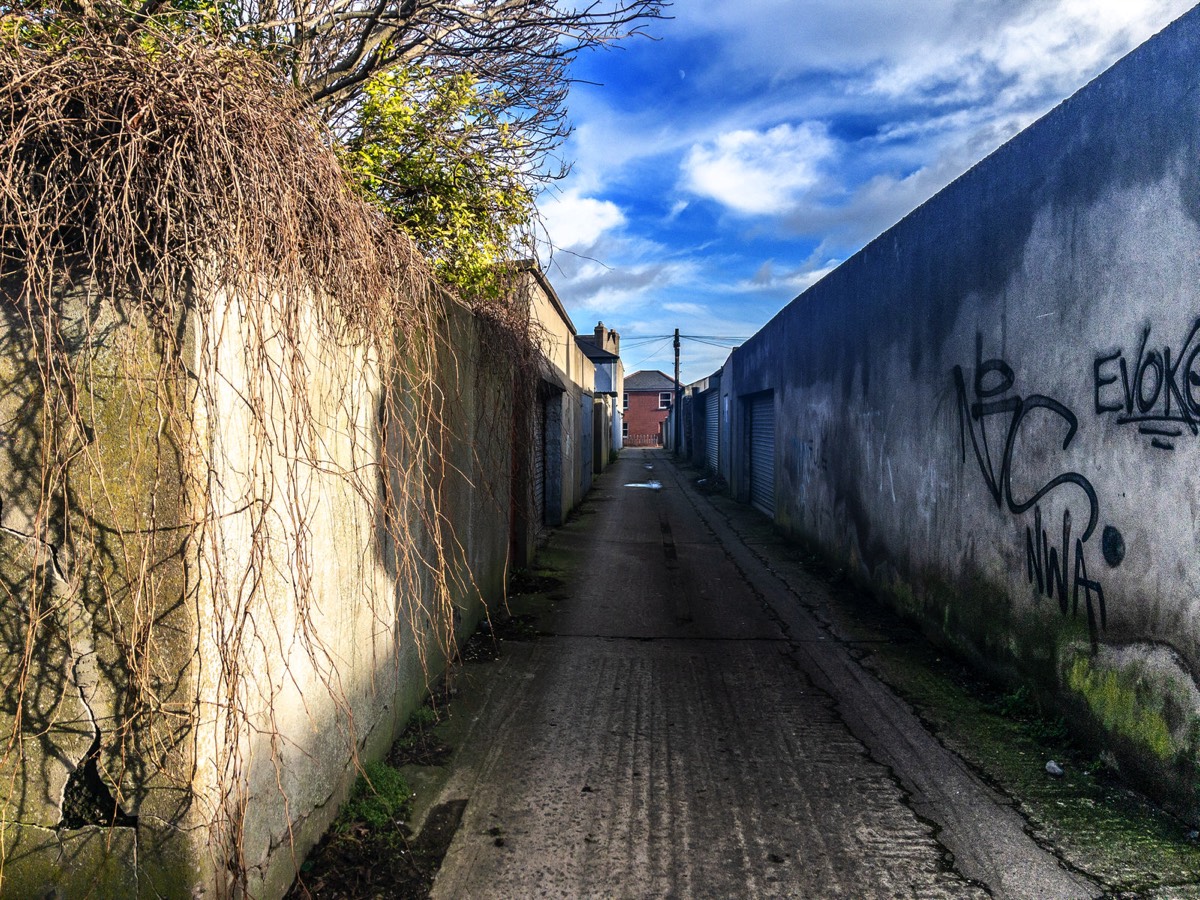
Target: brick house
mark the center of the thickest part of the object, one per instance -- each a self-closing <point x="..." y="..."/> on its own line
<point x="648" y="399"/>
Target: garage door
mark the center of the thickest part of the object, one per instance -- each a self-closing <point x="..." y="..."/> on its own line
<point x="586" y="424"/>
<point x="712" y="430"/>
<point x="539" y="465"/>
<point x="762" y="453"/>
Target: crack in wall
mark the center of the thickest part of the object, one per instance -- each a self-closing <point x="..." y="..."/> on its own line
<point x="86" y="799"/>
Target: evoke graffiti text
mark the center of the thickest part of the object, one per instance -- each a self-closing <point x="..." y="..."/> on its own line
<point x="1157" y="390"/>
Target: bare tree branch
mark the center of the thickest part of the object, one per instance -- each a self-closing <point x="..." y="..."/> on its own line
<point x="519" y="50"/>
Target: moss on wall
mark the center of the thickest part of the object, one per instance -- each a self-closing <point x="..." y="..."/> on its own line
<point x="1137" y="702"/>
<point x="1124" y="704"/>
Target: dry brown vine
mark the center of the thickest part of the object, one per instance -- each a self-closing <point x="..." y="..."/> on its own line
<point x="158" y="186"/>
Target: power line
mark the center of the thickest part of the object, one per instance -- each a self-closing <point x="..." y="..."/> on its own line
<point x="655" y="352"/>
<point x="715" y="339"/>
<point x="721" y="344"/>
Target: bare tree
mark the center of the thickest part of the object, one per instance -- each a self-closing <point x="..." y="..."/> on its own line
<point x="378" y="72"/>
<point x="519" y="49"/>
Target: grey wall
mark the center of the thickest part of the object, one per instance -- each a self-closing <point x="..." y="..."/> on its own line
<point x="283" y="635"/>
<point x="1007" y="384"/>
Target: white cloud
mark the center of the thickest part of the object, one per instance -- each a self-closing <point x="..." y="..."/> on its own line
<point x="759" y="172"/>
<point x="793" y="281"/>
<point x="624" y="289"/>
<point x="817" y="123"/>
<point x="915" y="42"/>
<point x="573" y="221"/>
<point x="1007" y="56"/>
<point x="941" y="72"/>
<point x="642" y="269"/>
<point x="781" y="37"/>
<point x="686" y="308"/>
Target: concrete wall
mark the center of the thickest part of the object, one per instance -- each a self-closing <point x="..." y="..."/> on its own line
<point x="992" y="412"/>
<point x="212" y="684"/>
<point x="603" y="348"/>
<point x="693" y="413"/>
<point x="618" y="407"/>
<point x="90" y="778"/>
<point x="573" y="374"/>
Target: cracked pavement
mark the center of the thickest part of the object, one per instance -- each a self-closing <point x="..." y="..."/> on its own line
<point x="685" y="727"/>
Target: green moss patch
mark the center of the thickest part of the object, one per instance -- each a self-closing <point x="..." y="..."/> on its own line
<point x="1097" y="824"/>
<point x="1122" y="705"/>
<point x="380" y="800"/>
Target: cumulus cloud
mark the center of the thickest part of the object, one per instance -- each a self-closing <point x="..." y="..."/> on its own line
<point x="1009" y="56"/>
<point x="625" y="288"/>
<point x="921" y="43"/>
<point x="686" y="308"/>
<point x="640" y="269"/>
<point x="794" y="280"/>
<point x="759" y="172"/>
<point x="573" y="221"/>
<point x="811" y="126"/>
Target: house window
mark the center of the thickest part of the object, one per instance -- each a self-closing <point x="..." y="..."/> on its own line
<point x="664" y="400"/>
<point x="625" y="401"/>
<point x="624" y="429"/>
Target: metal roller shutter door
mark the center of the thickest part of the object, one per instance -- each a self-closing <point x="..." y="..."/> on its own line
<point x="539" y="465"/>
<point x="712" y="429"/>
<point x="585" y="443"/>
<point x="762" y="454"/>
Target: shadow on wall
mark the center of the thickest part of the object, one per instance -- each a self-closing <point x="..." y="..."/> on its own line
<point x="988" y="412"/>
<point x="94" y="649"/>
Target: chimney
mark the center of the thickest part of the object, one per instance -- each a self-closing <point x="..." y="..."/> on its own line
<point x="604" y="337"/>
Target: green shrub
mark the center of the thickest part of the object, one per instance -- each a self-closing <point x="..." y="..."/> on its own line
<point x="381" y="798"/>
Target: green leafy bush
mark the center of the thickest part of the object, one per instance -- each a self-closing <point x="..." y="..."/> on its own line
<point x="381" y="797"/>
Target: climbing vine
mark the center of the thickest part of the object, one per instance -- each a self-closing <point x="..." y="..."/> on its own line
<point x="211" y="344"/>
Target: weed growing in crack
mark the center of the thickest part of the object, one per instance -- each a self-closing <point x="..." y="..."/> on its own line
<point x="381" y="800"/>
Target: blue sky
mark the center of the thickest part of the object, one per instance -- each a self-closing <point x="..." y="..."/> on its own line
<point x="722" y="169"/>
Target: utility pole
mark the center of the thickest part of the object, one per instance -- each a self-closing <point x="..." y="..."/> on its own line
<point x="678" y="393"/>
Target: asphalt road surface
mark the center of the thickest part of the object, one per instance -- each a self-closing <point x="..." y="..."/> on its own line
<point x="686" y="728"/>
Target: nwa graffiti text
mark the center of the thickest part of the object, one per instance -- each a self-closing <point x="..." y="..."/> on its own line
<point x="991" y="397"/>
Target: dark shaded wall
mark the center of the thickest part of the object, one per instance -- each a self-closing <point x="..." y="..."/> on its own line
<point x="992" y="412"/>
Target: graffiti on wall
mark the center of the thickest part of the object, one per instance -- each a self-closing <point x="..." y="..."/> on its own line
<point x="992" y="414"/>
<point x="1156" y="389"/>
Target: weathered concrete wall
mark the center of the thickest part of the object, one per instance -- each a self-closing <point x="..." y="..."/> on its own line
<point x="992" y="412"/>
<point x="575" y="376"/>
<point x="227" y="675"/>
<point x="96" y="615"/>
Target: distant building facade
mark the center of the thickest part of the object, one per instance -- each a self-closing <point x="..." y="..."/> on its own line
<point x="576" y="413"/>
<point x="603" y="348"/>
<point x="648" y="399"/>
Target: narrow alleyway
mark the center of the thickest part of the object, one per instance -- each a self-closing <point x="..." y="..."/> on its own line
<point x="686" y="728"/>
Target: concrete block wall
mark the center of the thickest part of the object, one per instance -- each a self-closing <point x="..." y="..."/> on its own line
<point x="992" y="412"/>
<point x="291" y="604"/>
<point x="573" y="376"/>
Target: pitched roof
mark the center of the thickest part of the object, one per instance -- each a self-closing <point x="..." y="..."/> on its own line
<point x="649" y="381"/>
<point x="592" y="352"/>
